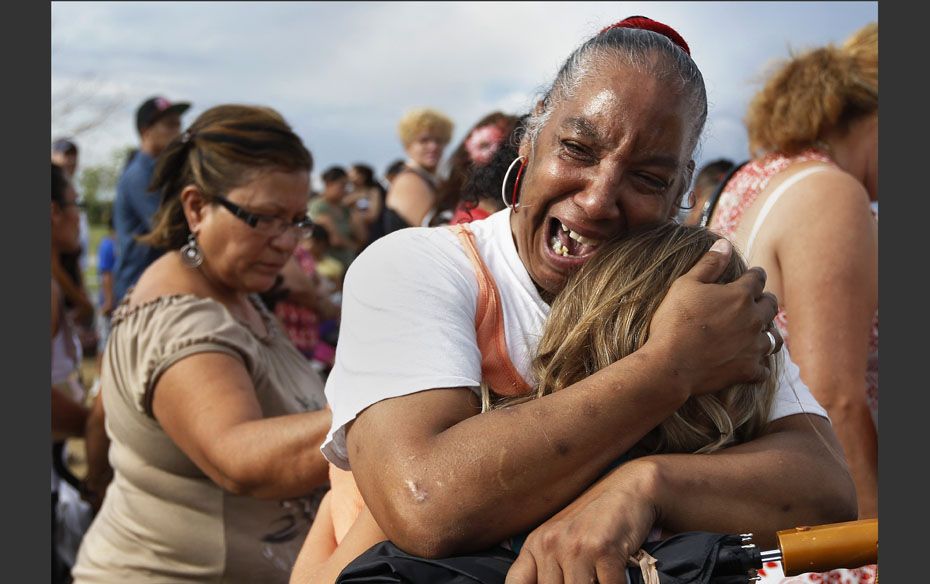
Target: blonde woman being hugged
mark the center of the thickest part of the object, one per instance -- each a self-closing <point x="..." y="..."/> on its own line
<point x="215" y="418"/>
<point x="801" y="210"/>
<point x="603" y="315"/>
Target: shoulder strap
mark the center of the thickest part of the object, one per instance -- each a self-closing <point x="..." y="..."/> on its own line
<point x="772" y="199"/>
<point x="496" y="367"/>
<point x="711" y="202"/>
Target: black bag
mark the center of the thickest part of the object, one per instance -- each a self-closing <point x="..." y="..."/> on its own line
<point x="386" y="563"/>
<point x="695" y="557"/>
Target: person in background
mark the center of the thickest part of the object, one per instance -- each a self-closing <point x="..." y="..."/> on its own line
<point x="69" y="270"/>
<point x="158" y="122"/>
<point x="69" y="415"/>
<point x="348" y="232"/>
<point x="800" y="210"/>
<point x="106" y="302"/>
<point x="391" y="172"/>
<point x="707" y="179"/>
<point x="65" y="156"/>
<point x="366" y="199"/>
<point x="481" y="194"/>
<point x="215" y="419"/>
<point x="411" y="201"/>
<point x="475" y="150"/>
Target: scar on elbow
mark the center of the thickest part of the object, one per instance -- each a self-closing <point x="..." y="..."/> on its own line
<point x="419" y="495"/>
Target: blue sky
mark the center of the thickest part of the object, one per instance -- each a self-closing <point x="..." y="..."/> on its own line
<point x="342" y="73"/>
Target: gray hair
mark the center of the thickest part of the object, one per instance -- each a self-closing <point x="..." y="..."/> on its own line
<point x="645" y="51"/>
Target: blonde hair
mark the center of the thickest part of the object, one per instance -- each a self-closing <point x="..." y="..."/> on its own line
<point x="815" y="92"/>
<point x="603" y="315"/>
<point x="419" y="120"/>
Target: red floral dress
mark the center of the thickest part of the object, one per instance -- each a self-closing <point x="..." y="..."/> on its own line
<point x="739" y="194"/>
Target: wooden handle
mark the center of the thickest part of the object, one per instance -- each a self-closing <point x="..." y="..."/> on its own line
<point x="823" y="548"/>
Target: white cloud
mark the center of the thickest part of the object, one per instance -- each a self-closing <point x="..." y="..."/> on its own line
<point x="342" y="73"/>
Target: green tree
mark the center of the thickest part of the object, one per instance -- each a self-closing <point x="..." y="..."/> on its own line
<point x="98" y="185"/>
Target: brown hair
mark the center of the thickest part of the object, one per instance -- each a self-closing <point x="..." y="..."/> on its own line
<point x="603" y="315"/>
<point x="815" y="92"/>
<point x="224" y="148"/>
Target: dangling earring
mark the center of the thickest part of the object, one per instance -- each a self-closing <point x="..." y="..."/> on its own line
<point x="190" y="252"/>
<point x="513" y="204"/>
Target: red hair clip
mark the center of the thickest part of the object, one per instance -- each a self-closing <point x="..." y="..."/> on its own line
<point x="644" y="23"/>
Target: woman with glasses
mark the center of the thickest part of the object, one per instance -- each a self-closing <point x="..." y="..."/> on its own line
<point x="215" y="418"/>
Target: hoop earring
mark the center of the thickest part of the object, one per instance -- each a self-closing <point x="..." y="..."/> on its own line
<point x="191" y="254"/>
<point x="692" y="200"/>
<point x="513" y="204"/>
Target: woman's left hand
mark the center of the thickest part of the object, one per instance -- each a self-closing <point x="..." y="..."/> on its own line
<point x="591" y="539"/>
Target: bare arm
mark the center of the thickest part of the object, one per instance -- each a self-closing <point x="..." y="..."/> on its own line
<point x="411" y="198"/>
<point x="758" y="487"/>
<point x="319" y="544"/>
<point x="363" y="534"/>
<point x="76" y="294"/>
<point x="206" y="403"/>
<point x="828" y="253"/>
<point x="437" y="477"/>
<point x="106" y="285"/>
<point x="97" y="445"/>
<point x="68" y="416"/>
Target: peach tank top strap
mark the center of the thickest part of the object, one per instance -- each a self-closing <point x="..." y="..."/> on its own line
<point x="497" y="370"/>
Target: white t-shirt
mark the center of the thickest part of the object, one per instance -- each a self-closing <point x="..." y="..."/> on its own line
<point x="408" y="323"/>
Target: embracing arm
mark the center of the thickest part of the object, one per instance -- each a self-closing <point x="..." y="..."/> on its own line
<point x="437" y="477"/>
<point x="793" y="475"/>
<point x="206" y="403"/>
<point x="831" y="297"/>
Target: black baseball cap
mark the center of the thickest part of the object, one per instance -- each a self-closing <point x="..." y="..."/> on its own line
<point x="154" y="108"/>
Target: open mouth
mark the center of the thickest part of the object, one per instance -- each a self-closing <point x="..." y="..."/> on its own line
<point x="565" y="242"/>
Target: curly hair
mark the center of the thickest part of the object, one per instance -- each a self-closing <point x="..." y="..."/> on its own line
<point x="223" y="149"/>
<point x="603" y="315"/>
<point x="419" y="120"/>
<point x="814" y="93"/>
<point x="462" y="167"/>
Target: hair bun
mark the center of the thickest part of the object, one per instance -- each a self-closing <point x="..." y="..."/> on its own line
<point x="645" y="23"/>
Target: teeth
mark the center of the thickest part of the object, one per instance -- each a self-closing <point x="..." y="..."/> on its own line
<point x="578" y="237"/>
<point x="558" y="248"/>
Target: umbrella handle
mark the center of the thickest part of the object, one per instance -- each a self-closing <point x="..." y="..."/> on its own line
<point x="822" y="548"/>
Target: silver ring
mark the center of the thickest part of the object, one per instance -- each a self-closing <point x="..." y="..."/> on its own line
<point x="772" y="343"/>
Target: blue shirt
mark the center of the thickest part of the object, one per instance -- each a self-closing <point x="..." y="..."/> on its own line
<point x="106" y="260"/>
<point x="133" y="210"/>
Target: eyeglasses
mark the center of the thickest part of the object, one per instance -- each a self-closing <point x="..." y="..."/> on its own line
<point x="268" y="225"/>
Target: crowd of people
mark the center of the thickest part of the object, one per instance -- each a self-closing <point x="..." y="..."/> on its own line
<point x="299" y="386"/>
